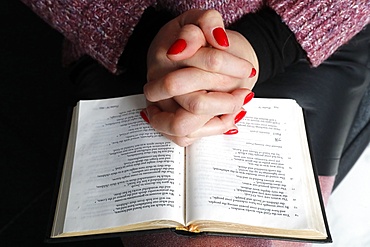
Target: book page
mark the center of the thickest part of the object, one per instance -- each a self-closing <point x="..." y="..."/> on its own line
<point x="124" y="172"/>
<point x="258" y="176"/>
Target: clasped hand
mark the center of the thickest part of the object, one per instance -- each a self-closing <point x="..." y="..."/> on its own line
<point x="199" y="77"/>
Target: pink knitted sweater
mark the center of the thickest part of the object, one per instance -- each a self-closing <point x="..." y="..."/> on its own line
<point x="101" y="28"/>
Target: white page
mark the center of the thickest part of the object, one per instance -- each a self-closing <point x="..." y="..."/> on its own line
<point x="124" y="172"/>
<point x="241" y="179"/>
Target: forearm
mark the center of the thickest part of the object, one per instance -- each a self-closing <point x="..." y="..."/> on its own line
<point x="98" y="28"/>
<point x="321" y="27"/>
<point x="315" y="37"/>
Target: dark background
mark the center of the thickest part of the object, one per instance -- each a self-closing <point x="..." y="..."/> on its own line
<point x="35" y="95"/>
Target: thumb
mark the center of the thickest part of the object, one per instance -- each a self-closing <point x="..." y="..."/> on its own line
<point x="198" y="28"/>
<point x="211" y="24"/>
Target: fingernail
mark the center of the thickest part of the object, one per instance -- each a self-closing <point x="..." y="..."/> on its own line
<point x="240" y="116"/>
<point x="144" y="116"/>
<point x="220" y="36"/>
<point x="177" y="47"/>
<point x="231" y="132"/>
<point x="253" y="73"/>
<point x="248" y="98"/>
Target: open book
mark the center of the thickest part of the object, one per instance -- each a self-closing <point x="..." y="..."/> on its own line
<point x="120" y="175"/>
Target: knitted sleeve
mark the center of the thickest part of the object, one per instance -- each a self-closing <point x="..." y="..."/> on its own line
<point x="99" y="28"/>
<point x="321" y="26"/>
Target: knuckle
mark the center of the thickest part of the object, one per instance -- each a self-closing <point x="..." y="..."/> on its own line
<point x="237" y="104"/>
<point x="149" y="95"/>
<point x="182" y="141"/>
<point x="179" y="129"/>
<point x="232" y="105"/>
<point x="211" y="13"/>
<point x="192" y="31"/>
<point x="197" y="106"/>
<point x="170" y="86"/>
<point x="235" y="108"/>
<point x="214" y="60"/>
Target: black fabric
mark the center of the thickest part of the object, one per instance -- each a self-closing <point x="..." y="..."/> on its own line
<point x="329" y="94"/>
<point x="273" y="42"/>
<point x="35" y="95"/>
<point x="137" y="47"/>
<point x="359" y="136"/>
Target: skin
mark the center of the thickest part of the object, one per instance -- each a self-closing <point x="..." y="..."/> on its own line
<point x="198" y="91"/>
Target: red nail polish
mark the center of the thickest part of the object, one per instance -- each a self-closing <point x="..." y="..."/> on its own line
<point x="220" y="36"/>
<point x="240" y="116"/>
<point x="177" y="47"/>
<point x="231" y="132"/>
<point x="248" y="98"/>
<point x="144" y="116"/>
<point x="253" y="73"/>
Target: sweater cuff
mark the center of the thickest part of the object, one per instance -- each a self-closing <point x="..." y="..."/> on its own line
<point x="106" y="29"/>
<point x="321" y="27"/>
<point x="97" y="28"/>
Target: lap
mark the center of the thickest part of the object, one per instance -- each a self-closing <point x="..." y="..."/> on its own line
<point x="329" y="94"/>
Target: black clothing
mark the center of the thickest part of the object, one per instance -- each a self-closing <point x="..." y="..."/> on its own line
<point x="329" y="94"/>
<point x="275" y="45"/>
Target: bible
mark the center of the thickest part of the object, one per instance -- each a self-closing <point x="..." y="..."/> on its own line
<point x="120" y="175"/>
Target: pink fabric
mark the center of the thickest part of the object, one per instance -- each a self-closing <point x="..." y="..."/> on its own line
<point x="321" y="27"/>
<point x="101" y="28"/>
<point x="171" y="239"/>
<point x="326" y="185"/>
<point x="231" y="10"/>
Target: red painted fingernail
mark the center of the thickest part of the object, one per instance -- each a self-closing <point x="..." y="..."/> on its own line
<point x="240" y="116"/>
<point x="248" y="98"/>
<point x="177" y="47"/>
<point x="253" y="73"/>
<point x="220" y="36"/>
<point x="231" y="132"/>
<point x="144" y="116"/>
